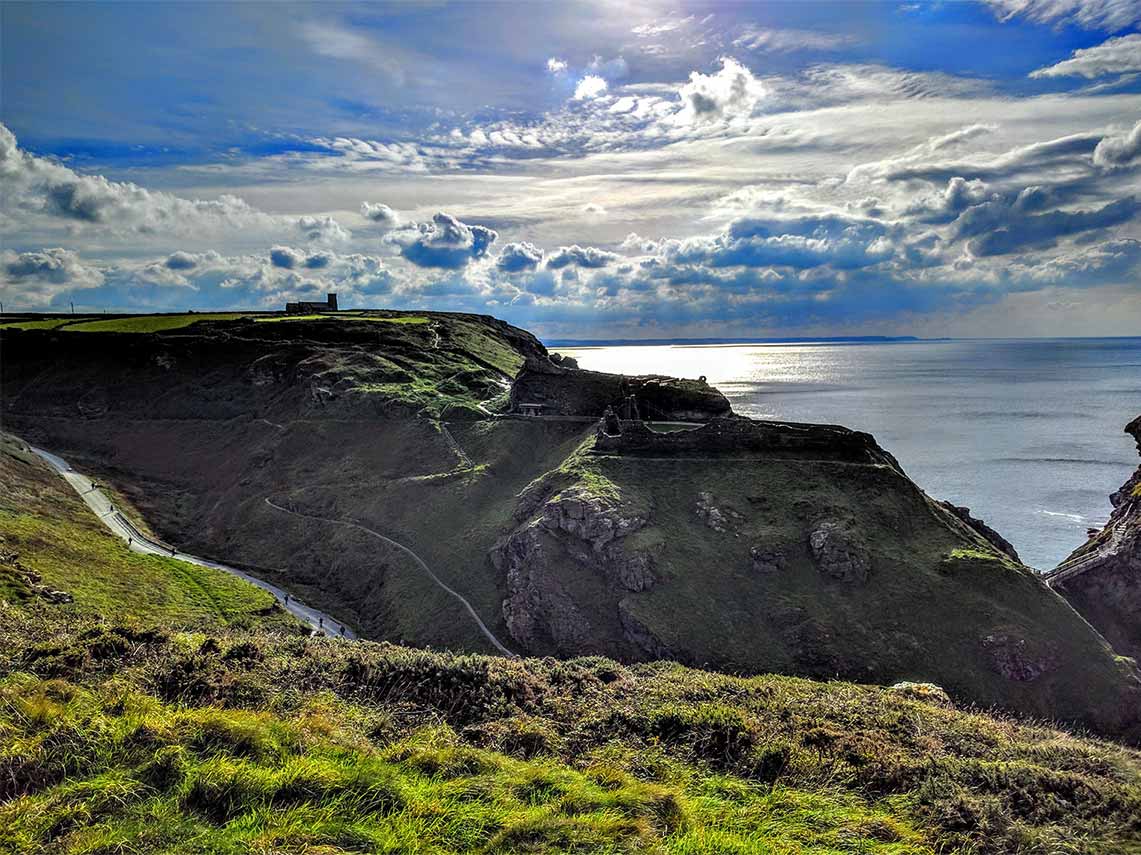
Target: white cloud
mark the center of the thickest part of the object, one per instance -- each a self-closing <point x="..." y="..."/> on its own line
<point x="784" y="41"/>
<point x="660" y="27"/>
<point x="40" y="187"/>
<point x="1120" y="55"/>
<point x="590" y="86"/>
<point x="728" y="93"/>
<point x="1118" y="150"/>
<point x="1111" y="15"/>
<point x="34" y="279"/>
<point x="322" y="229"/>
<point x="380" y="214"/>
<point x="341" y="43"/>
<point x="556" y="66"/>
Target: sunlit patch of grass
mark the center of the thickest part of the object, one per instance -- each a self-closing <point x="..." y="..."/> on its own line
<point x="348" y="316"/>
<point x="152" y="323"/>
<point x="117" y="771"/>
<point x="44" y="324"/>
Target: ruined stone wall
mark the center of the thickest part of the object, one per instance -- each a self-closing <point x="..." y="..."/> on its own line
<point x="569" y="392"/>
<point x="741" y="436"/>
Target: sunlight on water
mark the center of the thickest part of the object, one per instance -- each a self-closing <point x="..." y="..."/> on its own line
<point x="1025" y="432"/>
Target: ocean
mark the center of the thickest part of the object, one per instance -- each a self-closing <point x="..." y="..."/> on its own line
<point x="1025" y="432"/>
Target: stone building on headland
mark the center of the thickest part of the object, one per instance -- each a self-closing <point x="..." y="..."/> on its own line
<point x="304" y="308"/>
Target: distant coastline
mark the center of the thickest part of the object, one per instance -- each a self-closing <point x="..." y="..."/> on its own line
<point x="619" y="342"/>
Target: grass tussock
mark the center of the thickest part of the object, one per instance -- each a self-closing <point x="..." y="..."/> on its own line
<point x="121" y="738"/>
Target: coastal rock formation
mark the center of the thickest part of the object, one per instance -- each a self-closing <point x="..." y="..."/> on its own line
<point x="564" y="390"/>
<point x="573" y="529"/>
<point x="989" y="534"/>
<point x="1102" y="578"/>
<point x="838" y="553"/>
<point x="823" y="558"/>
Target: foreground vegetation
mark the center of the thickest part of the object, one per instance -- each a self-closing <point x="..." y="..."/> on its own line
<point x="120" y="739"/>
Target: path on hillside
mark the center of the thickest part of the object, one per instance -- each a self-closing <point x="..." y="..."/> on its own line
<point x="122" y="527"/>
<point x="419" y="562"/>
<point x="1076" y="566"/>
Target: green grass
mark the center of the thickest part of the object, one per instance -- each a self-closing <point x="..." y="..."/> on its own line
<point x="45" y="324"/>
<point x="122" y="739"/>
<point x="349" y="316"/>
<point x="152" y="323"/>
<point x="119" y="770"/>
<point x="48" y="530"/>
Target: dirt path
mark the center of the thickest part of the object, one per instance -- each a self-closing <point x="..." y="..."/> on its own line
<point x="122" y="527"/>
<point x="416" y="558"/>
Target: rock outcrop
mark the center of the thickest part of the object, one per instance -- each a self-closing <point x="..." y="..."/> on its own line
<point x="1102" y="578"/>
<point x="567" y="391"/>
<point x="838" y="553"/>
<point x="988" y="534"/>
<point x="578" y="531"/>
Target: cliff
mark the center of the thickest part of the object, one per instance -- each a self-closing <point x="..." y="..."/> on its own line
<point x="1102" y="578"/>
<point x="747" y="547"/>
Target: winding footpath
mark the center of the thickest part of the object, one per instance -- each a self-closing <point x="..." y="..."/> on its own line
<point x="122" y="527"/>
<point x="419" y="563"/>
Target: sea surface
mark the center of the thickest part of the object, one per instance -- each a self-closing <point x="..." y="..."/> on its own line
<point x="1026" y="432"/>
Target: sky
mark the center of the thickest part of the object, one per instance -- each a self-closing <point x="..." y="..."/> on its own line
<point x="597" y="169"/>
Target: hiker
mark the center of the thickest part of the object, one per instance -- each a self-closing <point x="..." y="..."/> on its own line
<point x="287" y="599"/>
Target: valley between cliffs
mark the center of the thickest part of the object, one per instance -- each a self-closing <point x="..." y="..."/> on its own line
<point x="709" y="539"/>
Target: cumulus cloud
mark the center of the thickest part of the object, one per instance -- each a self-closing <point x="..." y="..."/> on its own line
<point x="1000" y="227"/>
<point x="589" y="87"/>
<point x="556" y="65"/>
<point x="181" y="260"/>
<point x="39" y="186"/>
<point x="1121" y="55"/>
<point x="35" y="279"/>
<point x="445" y="242"/>
<point x="800" y="242"/>
<point x="580" y="256"/>
<point x="380" y="214"/>
<point x="946" y="205"/>
<point x="515" y="257"/>
<point x="1116" y="150"/>
<point x="730" y="92"/>
<point x="322" y="229"/>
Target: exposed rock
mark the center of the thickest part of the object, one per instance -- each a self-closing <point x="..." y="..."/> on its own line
<point x="564" y="361"/>
<point x="838" y="555"/>
<point x="538" y="607"/>
<point x="563" y="390"/>
<point x="988" y="534"/>
<point x="767" y="561"/>
<point x="591" y="530"/>
<point x="709" y="513"/>
<point x="1016" y="660"/>
<point x="640" y="635"/>
<point x="1102" y="578"/>
<point x="927" y="692"/>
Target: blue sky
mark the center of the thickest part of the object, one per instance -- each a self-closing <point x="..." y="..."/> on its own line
<point x="592" y="169"/>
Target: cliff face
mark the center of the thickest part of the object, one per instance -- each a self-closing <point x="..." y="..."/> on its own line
<point x="749" y="547"/>
<point x="1102" y="578"/>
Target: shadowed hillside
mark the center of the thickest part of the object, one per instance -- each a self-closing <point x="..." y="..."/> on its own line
<point x="340" y="456"/>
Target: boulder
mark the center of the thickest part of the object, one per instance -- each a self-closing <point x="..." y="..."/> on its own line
<point x="837" y="553"/>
